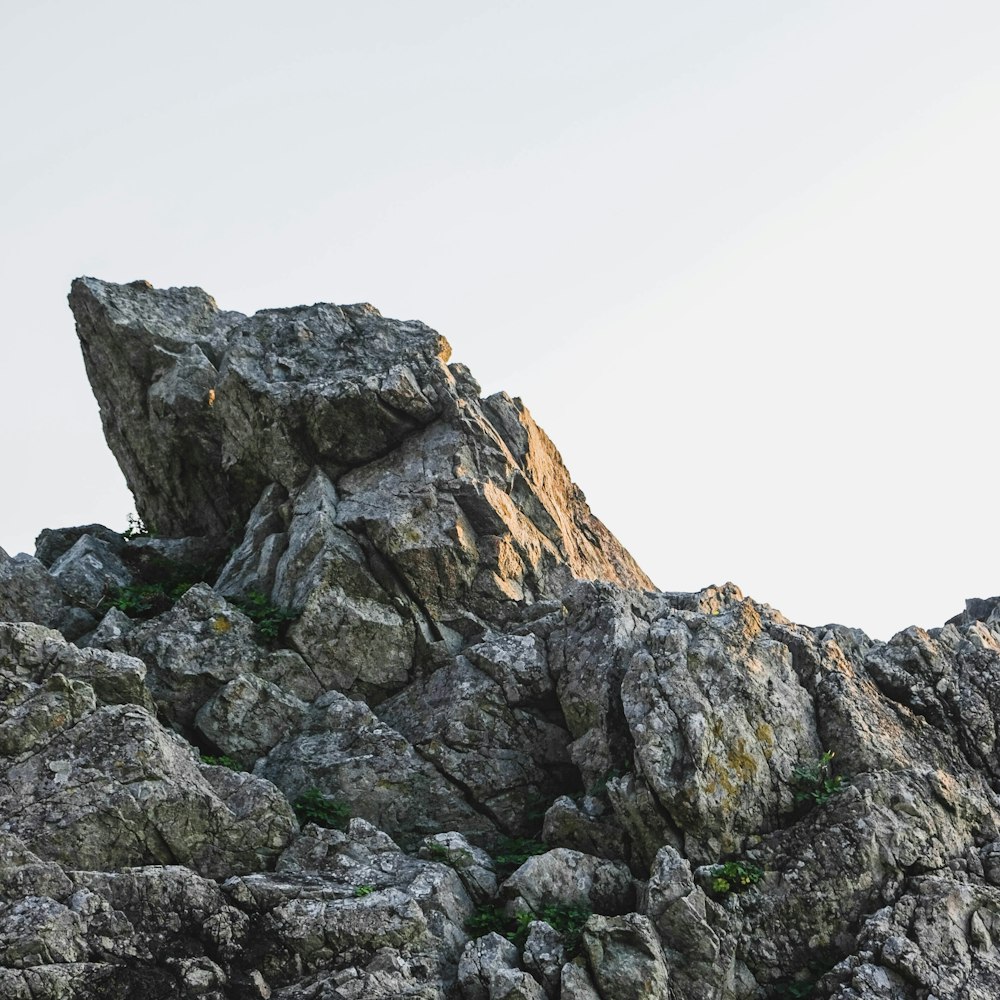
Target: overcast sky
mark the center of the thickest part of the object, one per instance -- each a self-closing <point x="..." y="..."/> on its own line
<point x="739" y="259"/>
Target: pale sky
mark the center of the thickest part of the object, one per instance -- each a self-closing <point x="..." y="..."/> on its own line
<point x="739" y="259"/>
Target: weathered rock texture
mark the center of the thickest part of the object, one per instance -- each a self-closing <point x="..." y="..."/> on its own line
<point x="374" y="596"/>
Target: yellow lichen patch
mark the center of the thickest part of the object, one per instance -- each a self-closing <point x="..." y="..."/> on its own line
<point x="741" y="763"/>
<point x="720" y="776"/>
<point x="765" y="734"/>
<point x="220" y="623"/>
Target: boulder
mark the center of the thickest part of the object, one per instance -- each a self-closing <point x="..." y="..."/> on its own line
<point x="625" y="957"/>
<point x="570" y="879"/>
<point x="114" y="789"/>
<point x="344" y="751"/>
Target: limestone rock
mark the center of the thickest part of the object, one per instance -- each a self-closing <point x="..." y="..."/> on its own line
<point x="89" y="571"/>
<point x="508" y="758"/>
<point x="939" y="939"/>
<point x="625" y="957"/>
<point x="544" y="956"/>
<point x="248" y="717"/>
<point x="343" y="899"/>
<point x="465" y="498"/>
<point x="116" y="789"/>
<point x="569" y="878"/>
<point x="513" y="984"/>
<point x="346" y="752"/>
<point x="52" y="543"/>
<point x="474" y="866"/>
<point x="197" y="648"/>
<point x="576" y="984"/>
<point x="482" y="962"/>
<point x="465" y="650"/>
<point x="31" y="652"/>
<point x="28" y="593"/>
<point x="589" y="826"/>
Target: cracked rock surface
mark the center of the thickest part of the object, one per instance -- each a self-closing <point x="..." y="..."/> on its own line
<point x="379" y="709"/>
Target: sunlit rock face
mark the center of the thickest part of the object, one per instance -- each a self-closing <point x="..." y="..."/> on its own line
<point x="381" y="710"/>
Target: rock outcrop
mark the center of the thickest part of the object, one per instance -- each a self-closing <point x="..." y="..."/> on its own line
<point x="378" y="708"/>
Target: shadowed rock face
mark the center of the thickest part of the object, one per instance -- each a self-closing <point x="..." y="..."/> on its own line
<point x="473" y="664"/>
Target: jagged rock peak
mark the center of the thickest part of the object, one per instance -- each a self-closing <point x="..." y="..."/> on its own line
<point x="208" y="410"/>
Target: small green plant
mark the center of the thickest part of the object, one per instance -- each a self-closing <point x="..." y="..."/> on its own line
<point x="816" y="782"/>
<point x="363" y="890"/>
<point x="511" y="852"/>
<point x="221" y="761"/>
<point x="312" y="806"/>
<point x="145" y="600"/>
<point x="735" y="876"/>
<point x="268" y="617"/>
<point x="438" y="852"/>
<point x="487" y="918"/>
<point x="567" y="920"/>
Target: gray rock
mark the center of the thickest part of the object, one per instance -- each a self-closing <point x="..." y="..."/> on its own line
<point x="544" y="956"/>
<point x="116" y="789"/>
<point x="89" y="571"/>
<point x="697" y="934"/>
<point x="568" y="878"/>
<point x="625" y="957"/>
<point x="37" y="930"/>
<point x="32" y="652"/>
<point x="37" y="712"/>
<point x="507" y="758"/>
<point x="717" y="749"/>
<point x="513" y="984"/>
<point x="353" y="634"/>
<point x="110" y="633"/>
<point x="248" y="717"/>
<point x="345" y="751"/>
<point x="28" y="593"/>
<point x="590" y="827"/>
<point x="52" y="543"/>
<point x="939" y="939"/>
<point x="253" y="563"/>
<point x="474" y="866"/>
<point x="342" y="898"/>
<point x="204" y="409"/>
<point x="23" y="873"/>
<point x="576" y="984"/>
<point x="482" y="961"/>
<point x="194" y="650"/>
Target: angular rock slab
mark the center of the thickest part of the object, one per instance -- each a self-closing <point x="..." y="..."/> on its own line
<point x="465" y="498"/>
<point x="346" y="752"/>
<point x="117" y="789"/>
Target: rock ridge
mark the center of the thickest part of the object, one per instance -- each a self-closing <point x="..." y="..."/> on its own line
<point x="379" y="708"/>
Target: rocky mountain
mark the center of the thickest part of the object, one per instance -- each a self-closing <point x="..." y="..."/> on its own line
<point x="369" y="704"/>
